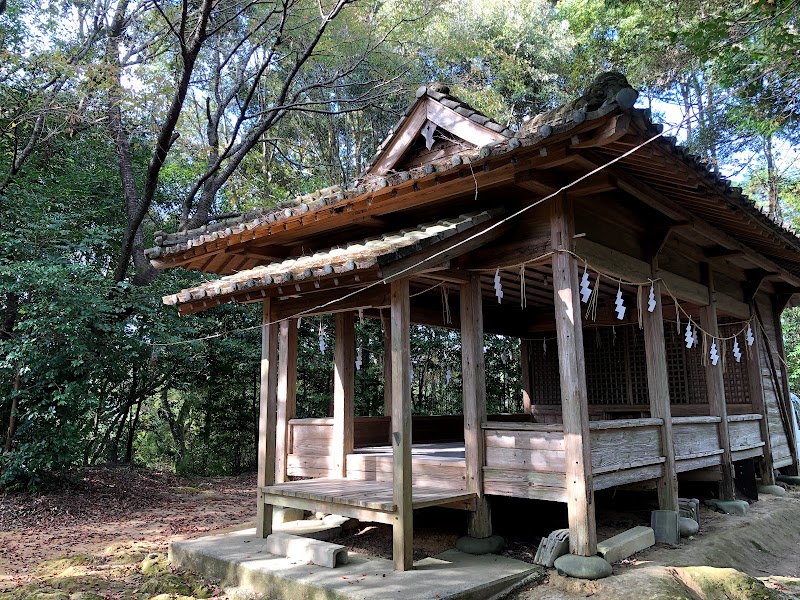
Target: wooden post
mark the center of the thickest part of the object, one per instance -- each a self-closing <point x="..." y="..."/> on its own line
<point x="658" y="391"/>
<point x="572" y="374"/>
<point x="715" y="385"/>
<point x="402" y="529"/>
<point x="387" y="367"/>
<point x="287" y="394"/>
<point x="473" y="372"/>
<point x="267" y="416"/>
<point x="756" y="381"/>
<point x="343" y="391"/>
<point x="525" y="365"/>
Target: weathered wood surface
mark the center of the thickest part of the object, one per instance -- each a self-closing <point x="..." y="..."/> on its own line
<point x="402" y="526"/>
<point x="267" y="416"/>
<point x="615" y="449"/>
<point x="287" y="395"/>
<point x="369" y="495"/>
<point x="781" y="453"/>
<point x="572" y="375"/>
<point x="343" y="391"/>
<point x="473" y="387"/>
<point x="715" y="385"/>
<point x="522" y="483"/>
<point x="745" y="432"/>
<point x="695" y="436"/>
<point x="626" y="476"/>
<point x="444" y="474"/>
<point x="658" y="391"/>
<point x="756" y="383"/>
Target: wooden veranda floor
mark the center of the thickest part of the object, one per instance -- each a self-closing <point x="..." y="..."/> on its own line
<point x="364" y="500"/>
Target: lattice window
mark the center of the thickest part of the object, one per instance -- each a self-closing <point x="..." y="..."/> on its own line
<point x="736" y="377"/>
<point x="676" y="365"/>
<point x="545" y="384"/>
<point x="606" y="361"/>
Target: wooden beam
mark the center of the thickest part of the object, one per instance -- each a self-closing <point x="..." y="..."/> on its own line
<point x="613" y="130"/>
<point x="627" y="267"/>
<point x="715" y="385"/>
<point x="287" y="395"/>
<point x="387" y="366"/>
<point x="402" y="527"/>
<point x="756" y="382"/>
<point x="525" y="364"/>
<point x="572" y="374"/>
<point x="343" y="392"/>
<point x="474" y="401"/>
<point x="657" y="200"/>
<point x="658" y="392"/>
<point x="376" y="296"/>
<point x="267" y="414"/>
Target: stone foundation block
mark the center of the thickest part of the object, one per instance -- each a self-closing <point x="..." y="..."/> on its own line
<point x="730" y="507"/>
<point x="470" y="545"/>
<point x="772" y="490"/>
<point x="306" y="550"/>
<point x="665" y="526"/>
<point x="790" y="479"/>
<point x="583" y="567"/>
<point x="614" y="549"/>
<point x="688" y="527"/>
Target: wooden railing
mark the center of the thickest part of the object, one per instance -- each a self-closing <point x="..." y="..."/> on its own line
<point x="696" y="442"/>
<point x="525" y="460"/>
<point x="310" y="447"/>
<point x="626" y="451"/>
<point x="744" y="432"/>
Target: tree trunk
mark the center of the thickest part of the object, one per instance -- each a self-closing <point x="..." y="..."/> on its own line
<point x="132" y="431"/>
<point x="772" y="180"/>
<point x="12" y="419"/>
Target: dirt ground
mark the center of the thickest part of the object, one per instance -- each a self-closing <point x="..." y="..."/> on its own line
<point x="729" y="559"/>
<point x="88" y="540"/>
<point x="106" y="536"/>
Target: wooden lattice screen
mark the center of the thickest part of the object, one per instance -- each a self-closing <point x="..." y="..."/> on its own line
<point x="685" y="370"/>
<point x="736" y="378"/>
<point x="616" y="368"/>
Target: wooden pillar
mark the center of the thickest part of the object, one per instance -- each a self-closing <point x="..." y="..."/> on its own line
<point x="715" y="386"/>
<point x="525" y="365"/>
<point x="658" y="391"/>
<point x="473" y="373"/>
<point x="572" y="375"/>
<point x="343" y="391"/>
<point x="402" y="528"/>
<point x="387" y="367"/>
<point x="267" y="415"/>
<point x="756" y="381"/>
<point x="287" y="395"/>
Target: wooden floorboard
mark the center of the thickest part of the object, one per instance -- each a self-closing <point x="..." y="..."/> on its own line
<point x="370" y="495"/>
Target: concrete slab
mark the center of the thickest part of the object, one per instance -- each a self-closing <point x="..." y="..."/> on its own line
<point x="240" y="560"/>
<point x="622" y="545"/>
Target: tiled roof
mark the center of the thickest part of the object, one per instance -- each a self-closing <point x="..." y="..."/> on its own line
<point x="604" y="97"/>
<point x="357" y="256"/>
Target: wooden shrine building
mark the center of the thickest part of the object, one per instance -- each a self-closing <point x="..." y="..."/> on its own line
<point x="645" y="290"/>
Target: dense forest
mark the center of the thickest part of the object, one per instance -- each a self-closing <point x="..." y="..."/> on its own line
<point x="120" y="118"/>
